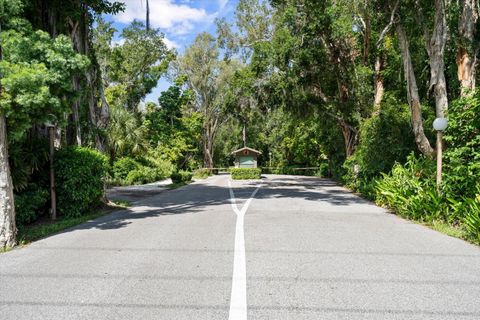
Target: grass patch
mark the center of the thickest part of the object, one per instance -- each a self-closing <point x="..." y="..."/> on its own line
<point x="448" y="229"/>
<point x="202" y="173"/>
<point x="45" y="228"/>
<point x="176" y="185"/>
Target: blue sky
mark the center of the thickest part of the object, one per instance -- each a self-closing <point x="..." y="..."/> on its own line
<point x="179" y="20"/>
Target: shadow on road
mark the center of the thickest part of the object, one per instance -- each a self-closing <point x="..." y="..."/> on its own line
<point x="196" y="197"/>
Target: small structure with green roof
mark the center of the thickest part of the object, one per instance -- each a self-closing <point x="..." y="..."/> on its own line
<point x="246" y="157"/>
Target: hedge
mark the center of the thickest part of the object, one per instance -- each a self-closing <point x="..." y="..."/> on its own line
<point x="246" y="173"/>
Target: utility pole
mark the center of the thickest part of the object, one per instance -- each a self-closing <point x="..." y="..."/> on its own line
<point x="53" y="194"/>
<point x="440" y="124"/>
<point x="148" y="16"/>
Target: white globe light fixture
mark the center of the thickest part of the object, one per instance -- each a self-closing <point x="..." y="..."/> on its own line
<point x="440" y="124"/>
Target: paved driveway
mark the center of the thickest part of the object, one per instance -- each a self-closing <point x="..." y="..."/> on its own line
<point x="301" y="248"/>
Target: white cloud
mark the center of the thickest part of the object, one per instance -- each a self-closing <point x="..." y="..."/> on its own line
<point x="118" y="42"/>
<point x="165" y="14"/>
<point x="171" y="44"/>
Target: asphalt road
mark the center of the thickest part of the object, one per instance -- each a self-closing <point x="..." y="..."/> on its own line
<point x="312" y="251"/>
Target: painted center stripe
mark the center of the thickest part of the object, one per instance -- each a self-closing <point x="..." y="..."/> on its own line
<point x="238" y="299"/>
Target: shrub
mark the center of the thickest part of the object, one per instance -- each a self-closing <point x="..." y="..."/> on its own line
<point x="384" y="140"/>
<point x="472" y="219"/>
<point x="80" y="174"/>
<point x="323" y="171"/>
<point x="144" y="175"/>
<point x="410" y="190"/>
<point x="202" y="173"/>
<point x="30" y="204"/>
<point x="245" y="173"/>
<point x="141" y="170"/>
<point x="462" y="152"/>
<point x="164" y="168"/>
<point x="123" y="166"/>
<point x="181" y="176"/>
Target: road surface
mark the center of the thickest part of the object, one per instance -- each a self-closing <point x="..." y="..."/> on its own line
<point x="304" y="248"/>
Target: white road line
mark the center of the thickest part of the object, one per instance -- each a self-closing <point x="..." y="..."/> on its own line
<point x="238" y="300"/>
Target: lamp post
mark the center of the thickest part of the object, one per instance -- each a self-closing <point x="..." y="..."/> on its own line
<point x="53" y="197"/>
<point x="270" y="159"/>
<point x="439" y="124"/>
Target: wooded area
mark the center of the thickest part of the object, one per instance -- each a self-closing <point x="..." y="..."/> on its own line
<point x="350" y="87"/>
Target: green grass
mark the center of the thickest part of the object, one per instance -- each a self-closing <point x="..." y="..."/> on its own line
<point x="176" y="185"/>
<point x="448" y="229"/>
<point x="43" y="229"/>
<point x="35" y="232"/>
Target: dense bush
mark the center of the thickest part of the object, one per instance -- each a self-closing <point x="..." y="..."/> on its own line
<point x="150" y="168"/>
<point x="462" y="152"/>
<point x="80" y="174"/>
<point x="141" y="175"/>
<point x="384" y="140"/>
<point x="30" y="204"/>
<point x="123" y="166"/>
<point x="245" y="173"/>
<point x="163" y="167"/>
<point x="181" y="176"/>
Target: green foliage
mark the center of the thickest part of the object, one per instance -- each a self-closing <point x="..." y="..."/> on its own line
<point x="462" y="154"/>
<point x="202" y="173"/>
<point x="173" y="130"/>
<point x="410" y="190"/>
<point x="384" y="140"/>
<point x="29" y="161"/>
<point x="36" y="79"/>
<point x="80" y="174"/>
<point x="128" y="171"/>
<point x="472" y="219"/>
<point x="125" y="135"/>
<point x="181" y="177"/>
<point x="122" y="167"/>
<point x="30" y="204"/>
<point x="132" y="69"/>
<point x="245" y="173"/>
<point x="143" y="175"/>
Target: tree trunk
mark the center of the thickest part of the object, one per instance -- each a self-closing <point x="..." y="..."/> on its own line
<point x="413" y="97"/>
<point x="436" y="53"/>
<point x="103" y="117"/>
<point x="76" y="112"/>
<point x="467" y="49"/>
<point x="8" y="229"/>
<point x="379" y="85"/>
<point x="208" y="147"/>
<point x="350" y="137"/>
